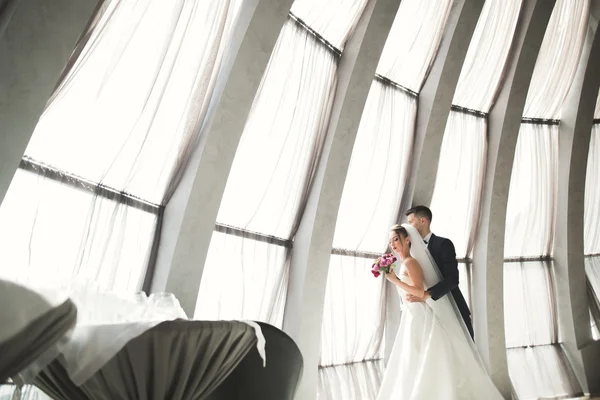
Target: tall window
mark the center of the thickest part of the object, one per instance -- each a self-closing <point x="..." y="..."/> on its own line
<point x="592" y="271"/>
<point x="591" y="241"/>
<point x="461" y="170"/>
<point x="274" y="165"/>
<point x="538" y="366"/>
<point x="107" y="154"/>
<point x="462" y="165"/>
<point x="355" y="302"/>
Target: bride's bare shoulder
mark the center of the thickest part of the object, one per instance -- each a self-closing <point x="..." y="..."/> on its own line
<point x="410" y="263"/>
<point x="409" y="259"/>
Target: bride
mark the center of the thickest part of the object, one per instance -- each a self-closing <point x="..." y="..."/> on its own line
<point x="433" y="355"/>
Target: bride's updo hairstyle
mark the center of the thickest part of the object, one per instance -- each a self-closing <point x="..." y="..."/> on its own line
<point x="400" y="231"/>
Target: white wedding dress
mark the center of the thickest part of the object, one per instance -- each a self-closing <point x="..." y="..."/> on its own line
<point x="433" y="355"/>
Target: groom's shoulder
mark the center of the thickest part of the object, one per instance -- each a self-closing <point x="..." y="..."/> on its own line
<point x="441" y="239"/>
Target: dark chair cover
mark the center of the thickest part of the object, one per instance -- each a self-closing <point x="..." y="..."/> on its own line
<point x="38" y="336"/>
<point x="175" y="360"/>
<point x="277" y="381"/>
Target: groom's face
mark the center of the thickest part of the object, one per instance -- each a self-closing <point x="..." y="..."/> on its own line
<point x="418" y="223"/>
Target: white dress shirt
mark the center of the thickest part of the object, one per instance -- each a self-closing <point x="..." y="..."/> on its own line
<point x="426" y="238"/>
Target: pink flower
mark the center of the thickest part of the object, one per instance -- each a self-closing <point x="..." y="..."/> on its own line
<point x="383" y="264"/>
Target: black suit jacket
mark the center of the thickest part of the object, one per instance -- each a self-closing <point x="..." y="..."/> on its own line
<point x="442" y="251"/>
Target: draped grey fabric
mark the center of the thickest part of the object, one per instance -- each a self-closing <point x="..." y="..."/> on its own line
<point x="176" y="360"/>
<point x="7" y="9"/>
<point x="32" y="341"/>
<point x="277" y="381"/>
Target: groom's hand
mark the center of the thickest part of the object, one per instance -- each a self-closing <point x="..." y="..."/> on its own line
<point x="414" y="299"/>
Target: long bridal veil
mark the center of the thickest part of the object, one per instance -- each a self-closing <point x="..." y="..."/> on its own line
<point x="445" y="308"/>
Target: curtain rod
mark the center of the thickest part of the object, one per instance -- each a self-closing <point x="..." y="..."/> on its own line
<point x="77" y="182"/>
<point x="530" y="346"/>
<point x="524" y="259"/>
<point x="387" y="81"/>
<point x="469" y="111"/>
<point x="337" y="52"/>
<point x="540" y="121"/>
<point x="596" y="121"/>
<point x="356" y="253"/>
<point x="369" y="360"/>
<point x="259" y="237"/>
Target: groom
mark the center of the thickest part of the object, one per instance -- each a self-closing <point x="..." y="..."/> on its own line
<point x="442" y="251"/>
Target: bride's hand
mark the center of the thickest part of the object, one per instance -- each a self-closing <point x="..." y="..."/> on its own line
<point x="391" y="276"/>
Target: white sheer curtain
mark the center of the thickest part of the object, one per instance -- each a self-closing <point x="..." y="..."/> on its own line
<point x="594" y="327"/>
<point x="413" y="41"/>
<point x="540" y="368"/>
<point x="461" y="169"/>
<point x="378" y="170"/>
<point x="295" y="98"/>
<point x="354" y="312"/>
<point x="591" y="242"/>
<point x="558" y="59"/>
<point x="488" y="52"/>
<point x="283" y="136"/>
<point x="532" y="199"/>
<point x="274" y="164"/>
<point x="53" y="234"/>
<point x="377" y="173"/>
<point x="458" y="185"/>
<point x="530" y="311"/>
<point x="324" y="17"/>
<point x="112" y="143"/>
<point x="542" y="372"/>
<point x="352" y="381"/>
<point x="258" y="280"/>
<point x="592" y="271"/>
<point x="150" y="67"/>
<point x="537" y="364"/>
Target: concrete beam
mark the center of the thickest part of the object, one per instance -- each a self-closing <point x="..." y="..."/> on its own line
<point x="314" y="239"/>
<point x="503" y="128"/>
<point x="574" y="140"/>
<point x="182" y="253"/>
<point x="435" y="100"/>
<point x="36" y="39"/>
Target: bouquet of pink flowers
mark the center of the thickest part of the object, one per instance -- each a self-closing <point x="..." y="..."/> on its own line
<point x="384" y="264"/>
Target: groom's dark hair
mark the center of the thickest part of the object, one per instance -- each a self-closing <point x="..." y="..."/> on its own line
<point x="421" y="212"/>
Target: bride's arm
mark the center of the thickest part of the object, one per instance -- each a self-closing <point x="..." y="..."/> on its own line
<point x="415" y="273"/>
